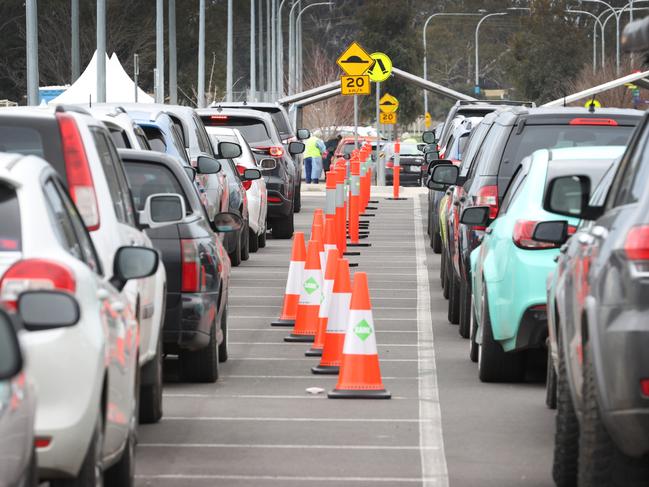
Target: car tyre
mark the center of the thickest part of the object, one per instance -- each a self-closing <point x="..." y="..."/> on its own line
<point x="465" y="309"/>
<point x="245" y="250"/>
<point x="223" y="347"/>
<point x="151" y="394"/>
<point x="474" y="348"/>
<point x="31" y="473"/>
<point x="283" y="229"/>
<point x="454" y="300"/>
<point x="262" y="239"/>
<point x="494" y="364"/>
<point x="550" y="384"/>
<point x="201" y="365"/>
<point x="442" y="269"/>
<point x="446" y="286"/>
<point x="297" y="201"/>
<point x="253" y="241"/>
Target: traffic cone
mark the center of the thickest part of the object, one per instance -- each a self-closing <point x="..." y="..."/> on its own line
<point x="327" y="290"/>
<point x="341" y="234"/>
<point x="354" y="207"/>
<point x="306" y="319"/>
<point x="293" y="282"/>
<point x="318" y="219"/>
<point x="336" y="321"/>
<point x="317" y="235"/>
<point x="360" y="375"/>
<point x="330" y="234"/>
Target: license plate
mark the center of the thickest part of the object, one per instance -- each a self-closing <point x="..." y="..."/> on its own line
<point x="414" y="169"/>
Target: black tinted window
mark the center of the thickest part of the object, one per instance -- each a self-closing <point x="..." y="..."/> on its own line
<point x="635" y="177"/>
<point x="253" y="130"/>
<point x="61" y="222"/>
<point x="119" y="138"/>
<point x="147" y="179"/>
<point x="475" y="142"/>
<point x="10" y="236"/>
<point x="280" y="123"/>
<point x="108" y="165"/>
<point x="156" y="139"/>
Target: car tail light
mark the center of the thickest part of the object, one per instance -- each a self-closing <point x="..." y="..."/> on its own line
<point x="218" y="117"/>
<point x="488" y="196"/>
<point x="442" y="154"/>
<point x="636" y="247"/>
<point x="246" y="184"/>
<point x="594" y="121"/>
<point x="644" y="387"/>
<point x="77" y="169"/>
<point x="191" y="266"/>
<point x="42" y="441"/>
<point x="523" y="231"/>
<point x="31" y="274"/>
<point x="273" y="150"/>
<point x="274" y="199"/>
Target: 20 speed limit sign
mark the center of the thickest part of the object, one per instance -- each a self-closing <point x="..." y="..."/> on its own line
<point x="355" y="85"/>
<point x="388" y="118"/>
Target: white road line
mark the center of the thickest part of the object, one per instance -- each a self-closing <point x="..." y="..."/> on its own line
<point x="431" y="440"/>
<point x="284" y="478"/>
<point x="289" y="420"/>
<point x="277" y="446"/>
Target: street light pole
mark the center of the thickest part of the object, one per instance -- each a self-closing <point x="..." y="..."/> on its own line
<point x="253" y="66"/>
<point x="159" y="52"/>
<point x="31" y="27"/>
<point x="298" y="56"/>
<point x="291" y="48"/>
<point x="595" y="23"/>
<point x="260" y="49"/>
<point x="200" y="97"/>
<point x="477" y="49"/>
<point x="280" y="51"/>
<point x="101" y="51"/>
<point x="74" y="21"/>
<point x="273" y="49"/>
<point x="269" y="82"/>
<point x="173" y="65"/>
<point x="617" y="30"/>
<point x="229" y="55"/>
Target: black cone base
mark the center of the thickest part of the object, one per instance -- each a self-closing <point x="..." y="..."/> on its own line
<point x="371" y="208"/>
<point x="313" y="352"/>
<point x="351" y="253"/>
<point x="353" y="264"/>
<point x="396" y="199"/>
<point x="373" y="201"/>
<point x="325" y="369"/>
<point x="282" y="323"/>
<point x="359" y="245"/>
<point x="363" y="236"/>
<point x="347" y="394"/>
<point x="367" y="214"/>
<point x="299" y="338"/>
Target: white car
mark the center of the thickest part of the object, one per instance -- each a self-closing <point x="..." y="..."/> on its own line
<point x="81" y="150"/>
<point x="255" y="190"/>
<point x="126" y="134"/>
<point x="86" y="376"/>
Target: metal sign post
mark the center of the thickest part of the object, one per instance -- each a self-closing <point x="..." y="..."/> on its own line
<point x="136" y="72"/>
<point x="380" y="165"/>
<point x="356" y="121"/>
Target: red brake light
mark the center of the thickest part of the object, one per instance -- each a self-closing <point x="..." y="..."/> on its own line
<point x="594" y="121"/>
<point x="42" y="441"/>
<point x="488" y="196"/>
<point x="246" y="184"/>
<point x="274" y="199"/>
<point x="77" y="169"/>
<point x="31" y="274"/>
<point x="276" y="151"/>
<point x="390" y="164"/>
<point x="636" y="245"/>
<point x="191" y="267"/>
<point x="644" y="387"/>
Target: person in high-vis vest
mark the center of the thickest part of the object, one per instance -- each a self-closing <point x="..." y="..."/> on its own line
<point x="313" y="159"/>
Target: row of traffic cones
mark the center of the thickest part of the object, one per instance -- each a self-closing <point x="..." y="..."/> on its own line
<point x="321" y="303"/>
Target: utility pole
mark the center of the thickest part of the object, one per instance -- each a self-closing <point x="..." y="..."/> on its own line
<point x="136" y="74"/>
<point x="173" y="66"/>
<point x="280" y="51"/>
<point x="101" y="51"/>
<point x="269" y="83"/>
<point x="273" y="49"/>
<point x="291" y="47"/>
<point x="230" y="58"/>
<point x="74" y="30"/>
<point x="200" y="98"/>
<point x="159" y="52"/>
<point x="260" y="50"/>
<point x="32" y="51"/>
<point x="253" y="67"/>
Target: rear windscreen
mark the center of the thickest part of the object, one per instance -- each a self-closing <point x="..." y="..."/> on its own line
<point x="10" y="240"/>
<point x="253" y="130"/>
<point x="147" y="179"/>
<point x="280" y="123"/>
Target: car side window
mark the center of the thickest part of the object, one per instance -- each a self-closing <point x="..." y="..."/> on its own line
<point x="514" y="189"/>
<point x="635" y="174"/>
<point x="107" y="163"/>
<point x="203" y="141"/>
<point x="474" y="143"/>
<point x="61" y="222"/>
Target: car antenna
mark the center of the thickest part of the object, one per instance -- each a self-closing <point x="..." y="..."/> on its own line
<point x="90" y="101"/>
<point x="591" y="105"/>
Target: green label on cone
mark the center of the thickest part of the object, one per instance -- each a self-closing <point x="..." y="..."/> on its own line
<point x="363" y="330"/>
<point x="311" y="285"/>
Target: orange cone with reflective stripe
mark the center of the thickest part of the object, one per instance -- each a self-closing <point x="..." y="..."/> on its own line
<point x="318" y="219"/>
<point x="360" y="375"/>
<point x="317" y="235"/>
<point x="323" y="314"/>
<point x="334" y="339"/>
<point x="306" y="319"/>
<point x="330" y="233"/>
<point x="292" y="293"/>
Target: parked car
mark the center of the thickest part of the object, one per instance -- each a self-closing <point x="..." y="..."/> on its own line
<point x="81" y="151"/>
<point x="86" y="374"/>
<point x="197" y="264"/>
<point x="513" y="134"/>
<point x="262" y="135"/>
<point x="17" y="400"/>
<point x="254" y="190"/>
<point x="126" y="134"/>
<point x="411" y="160"/>
<point x="602" y="423"/>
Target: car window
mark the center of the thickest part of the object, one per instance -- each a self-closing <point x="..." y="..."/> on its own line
<point x="475" y="139"/>
<point x="598" y="198"/>
<point x="10" y="230"/>
<point x="61" y="222"/>
<point x="461" y="144"/>
<point x="156" y="139"/>
<point x="252" y="129"/>
<point x="119" y="138"/>
<point x="203" y="142"/>
<point x="635" y="174"/>
<point x="515" y="187"/>
<point x="281" y="123"/>
<point x="146" y="179"/>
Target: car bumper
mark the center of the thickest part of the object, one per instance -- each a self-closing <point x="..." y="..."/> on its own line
<point x="406" y="178"/>
<point x="188" y="319"/>
<point x="279" y="206"/>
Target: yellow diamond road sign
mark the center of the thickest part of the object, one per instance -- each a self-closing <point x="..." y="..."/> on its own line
<point x="382" y="67"/>
<point x="388" y="103"/>
<point x="354" y="61"/>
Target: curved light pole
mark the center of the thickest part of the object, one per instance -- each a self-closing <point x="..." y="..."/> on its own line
<point x="291" y="48"/>
<point x="618" y="14"/>
<point x="431" y="17"/>
<point x="298" y="43"/>
<point x="601" y="28"/>
<point x="280" y="51"/>
<point x="477" y="49"/>
<point x="617" y="30"/>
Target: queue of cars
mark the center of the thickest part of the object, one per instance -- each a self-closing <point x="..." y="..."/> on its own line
<point x="120" y="225"/>
<point x="542" y="226"/>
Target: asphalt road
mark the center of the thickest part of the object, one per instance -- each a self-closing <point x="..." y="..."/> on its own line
<point x="259" y="426"/>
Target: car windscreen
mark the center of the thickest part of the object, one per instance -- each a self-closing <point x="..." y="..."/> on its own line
<point x="252" y="129"/>
<point x="146" y="179"/>
<point x="10" y="237"/>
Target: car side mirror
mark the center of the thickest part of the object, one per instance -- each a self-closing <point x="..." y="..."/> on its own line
<point x="437" y="162"/>
<point x="133" y="263"/>
<point x="568" y="196"/>
<point x="267" y="164"/>
<point x="208" y="165"/>
<point x="303" y="134"/>
<point x="251" y="175"/>
<point x="226" y="222"/>
<point x="162" y="209"/>
<point x="46" y="310"/>
<point x="421" y="147"/>
<point x="554" y="232"/>
<point x="11" y="358"/>
<point x="429" y="137"/>
<point x="191" y="173"/>
<point x="442" y="176"/>
<point x="475" y="216"/>
<point x="295" y="148"/>
<point x="229" y="150"/>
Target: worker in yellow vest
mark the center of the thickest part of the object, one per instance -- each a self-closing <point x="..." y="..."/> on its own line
<point x="313" y="151"/>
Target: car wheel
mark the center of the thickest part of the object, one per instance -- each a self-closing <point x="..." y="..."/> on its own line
<point x="436" y="243"/>
<point x="454" y="299"/>
<point x="253" y="241"/>
<point x="201" y="365"/>
<point x="245" y="252"/>
<point x="566" y="436"/>
<point x="432" y="229"/>
<point x="283" y="228"/>
<point x="223" y="347"/>
<point x="151" y="394"/>
<point x="494" y="364"/>
<point x="297" y="201"/>
<point x="442" y="269"/>
<point x="429" y="220"/>
<point x="474" y="348"/>
<point x="446" y="286"/>
<point x="550" y="384"/>
<point x="91" y="473"/>
<point x="465" y="309"/>
<point x="262" y="239"/>
<point x="235" y="256"/>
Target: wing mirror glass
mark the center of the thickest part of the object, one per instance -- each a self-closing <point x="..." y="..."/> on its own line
<point x="229" y="150"/>
<point x="429" y="137"/>
<point x="442" y="176"/>
<point x="568" y="196"/>
<point x="295" y="148"/>
<point x="475" y="216"/>
<point x="191" y="172"/>
<point x="303" y="134"/>
<point x="133" y="263"/>
<point x="226" y="222"/>
<point x="45" y="310"/>
<point x="163" y="209"/>
<point x="251" y="174"/>
<point x="208" y="165"/>
<point x="555" y="232"/>
<point x="267" y="164"/>
<point x="11" y="360"/>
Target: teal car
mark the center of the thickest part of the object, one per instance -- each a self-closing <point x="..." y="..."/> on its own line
<point x="510" y="267"/>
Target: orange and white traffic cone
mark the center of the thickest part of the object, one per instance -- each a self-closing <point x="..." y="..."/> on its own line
<point x="318" y="219"/>
<point x="317" y="235"/>
<point x="334" y="339"/>
<point x="340" y="217"/>
<point x="360" y="375"/>
<point x="330" y="234"/>
<point x="354" y="208"/>
<point x="293" y="282"/>
<point x="306" y="319"/>
<point x="323" y="313"/>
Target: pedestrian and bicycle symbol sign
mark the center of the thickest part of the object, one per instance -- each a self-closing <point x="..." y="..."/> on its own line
<point x="381" y="69"/>
<point x="388" y="103"/>
<point x="311" y="285"/>
<point x="363" y="330"/>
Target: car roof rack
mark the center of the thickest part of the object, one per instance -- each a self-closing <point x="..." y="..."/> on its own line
<point x="71" y="108"/>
